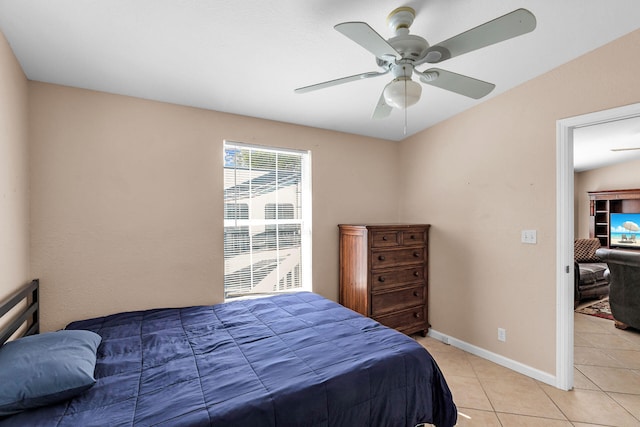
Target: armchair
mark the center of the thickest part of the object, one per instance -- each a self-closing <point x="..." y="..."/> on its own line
<point x="589" y="280"/>
<point x="624" y="296"/>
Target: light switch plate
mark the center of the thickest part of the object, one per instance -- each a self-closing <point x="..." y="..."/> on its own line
<point x="529" y="236"/>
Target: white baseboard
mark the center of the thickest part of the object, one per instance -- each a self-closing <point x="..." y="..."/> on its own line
<point x="521" y="368"/>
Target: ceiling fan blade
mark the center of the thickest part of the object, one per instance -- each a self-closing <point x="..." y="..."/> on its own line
<point x="368" y="38"/>
<point x="513" y="24"/>
<point x="382" y="108"/>
<point x="339" y="81"/>
<point x="463" y="85"/>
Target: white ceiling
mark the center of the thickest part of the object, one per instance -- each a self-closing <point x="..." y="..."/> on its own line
<point x="597" y="146"/>
<point x="247" y="57"/>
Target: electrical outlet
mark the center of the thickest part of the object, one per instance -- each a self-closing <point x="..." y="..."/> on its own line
<point x="502" y="335"/>
<point x="529" y="236"/>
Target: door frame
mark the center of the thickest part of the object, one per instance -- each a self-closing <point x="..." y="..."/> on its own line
<point x="564" y="231"/>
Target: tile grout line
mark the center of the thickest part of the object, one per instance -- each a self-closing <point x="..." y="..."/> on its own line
<point x="620" y="404"/>
<point x="473" y="368"/>
<point x="539" y="384"/>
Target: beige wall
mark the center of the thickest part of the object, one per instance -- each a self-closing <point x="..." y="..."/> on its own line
<point x="127" y="203"/>
<point x="615" y="177"/>
<point x="14" y="176"/>
<point x="485" y="175"/>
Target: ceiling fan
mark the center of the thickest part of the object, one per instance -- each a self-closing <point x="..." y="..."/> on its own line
<point x="400" y="55"/>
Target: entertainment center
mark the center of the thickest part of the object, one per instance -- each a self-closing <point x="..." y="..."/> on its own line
<point x="614" y="218"/>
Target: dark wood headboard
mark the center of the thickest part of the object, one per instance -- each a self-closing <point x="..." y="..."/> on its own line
<point x="29" y="314"/>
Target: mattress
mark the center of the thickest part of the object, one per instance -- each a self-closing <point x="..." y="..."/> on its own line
<point x="288" y="360"/>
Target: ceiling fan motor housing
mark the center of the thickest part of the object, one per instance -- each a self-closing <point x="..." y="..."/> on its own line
<point x="410" y="46"/>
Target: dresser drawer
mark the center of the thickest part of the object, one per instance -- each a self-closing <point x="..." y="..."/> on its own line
<point x="414" y="237"/>
<point x="386" y="238"/>
<point x="393" y="301"/>
<point x="414" y="318"/>
<point x="396" y="257"/>
<point x="396" y="277"/>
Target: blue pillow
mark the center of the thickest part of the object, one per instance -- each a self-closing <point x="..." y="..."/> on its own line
<point x="42" y="369"/>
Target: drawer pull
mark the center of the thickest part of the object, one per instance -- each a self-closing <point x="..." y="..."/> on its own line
<point x="416" y="254"/>
<point x="416" y="273"/>
<point x="381" y="258"/>
<point x="416" y="293"/>
<point x="416" y="315"/>
<point x="413" y="237"/>
<point x="381" y="279"/>
<point x="384" y="238"/>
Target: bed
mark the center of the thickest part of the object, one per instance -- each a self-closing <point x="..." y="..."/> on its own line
<point x="287" y="360"/>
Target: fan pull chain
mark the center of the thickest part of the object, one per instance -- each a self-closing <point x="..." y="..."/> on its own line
<point x="405" y="122"/>
<point x="405" y="107"/>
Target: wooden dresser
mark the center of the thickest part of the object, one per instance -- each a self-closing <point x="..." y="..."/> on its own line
<point x="384" y="274"/>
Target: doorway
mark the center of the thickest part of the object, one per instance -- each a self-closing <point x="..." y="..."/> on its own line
<point x="565" y="232"/>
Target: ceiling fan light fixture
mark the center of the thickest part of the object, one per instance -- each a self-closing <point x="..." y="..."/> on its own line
<point x="402" y="93"/>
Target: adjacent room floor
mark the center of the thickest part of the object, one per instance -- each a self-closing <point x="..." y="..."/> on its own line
<point x="606" y="386"/>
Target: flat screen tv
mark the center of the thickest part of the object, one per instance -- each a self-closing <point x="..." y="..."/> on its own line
<point x="625" y="230"/>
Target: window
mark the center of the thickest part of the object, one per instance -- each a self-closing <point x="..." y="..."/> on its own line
<point x="267" y="220"/>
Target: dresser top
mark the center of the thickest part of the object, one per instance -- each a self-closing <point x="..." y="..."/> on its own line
<point x="385" y="225"/>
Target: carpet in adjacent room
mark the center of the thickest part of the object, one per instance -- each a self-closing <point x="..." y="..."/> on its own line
<point x="598" y="308"/>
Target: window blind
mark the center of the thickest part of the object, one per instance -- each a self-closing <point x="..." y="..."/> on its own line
<point x="266" y="220"/>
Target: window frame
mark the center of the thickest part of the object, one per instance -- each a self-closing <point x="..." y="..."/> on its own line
<point x="305" y="220"/>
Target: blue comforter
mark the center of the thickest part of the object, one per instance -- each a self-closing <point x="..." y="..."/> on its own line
<point x="288" y="360"/>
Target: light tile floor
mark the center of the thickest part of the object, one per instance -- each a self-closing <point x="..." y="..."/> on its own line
<point x="606" y="383"/>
